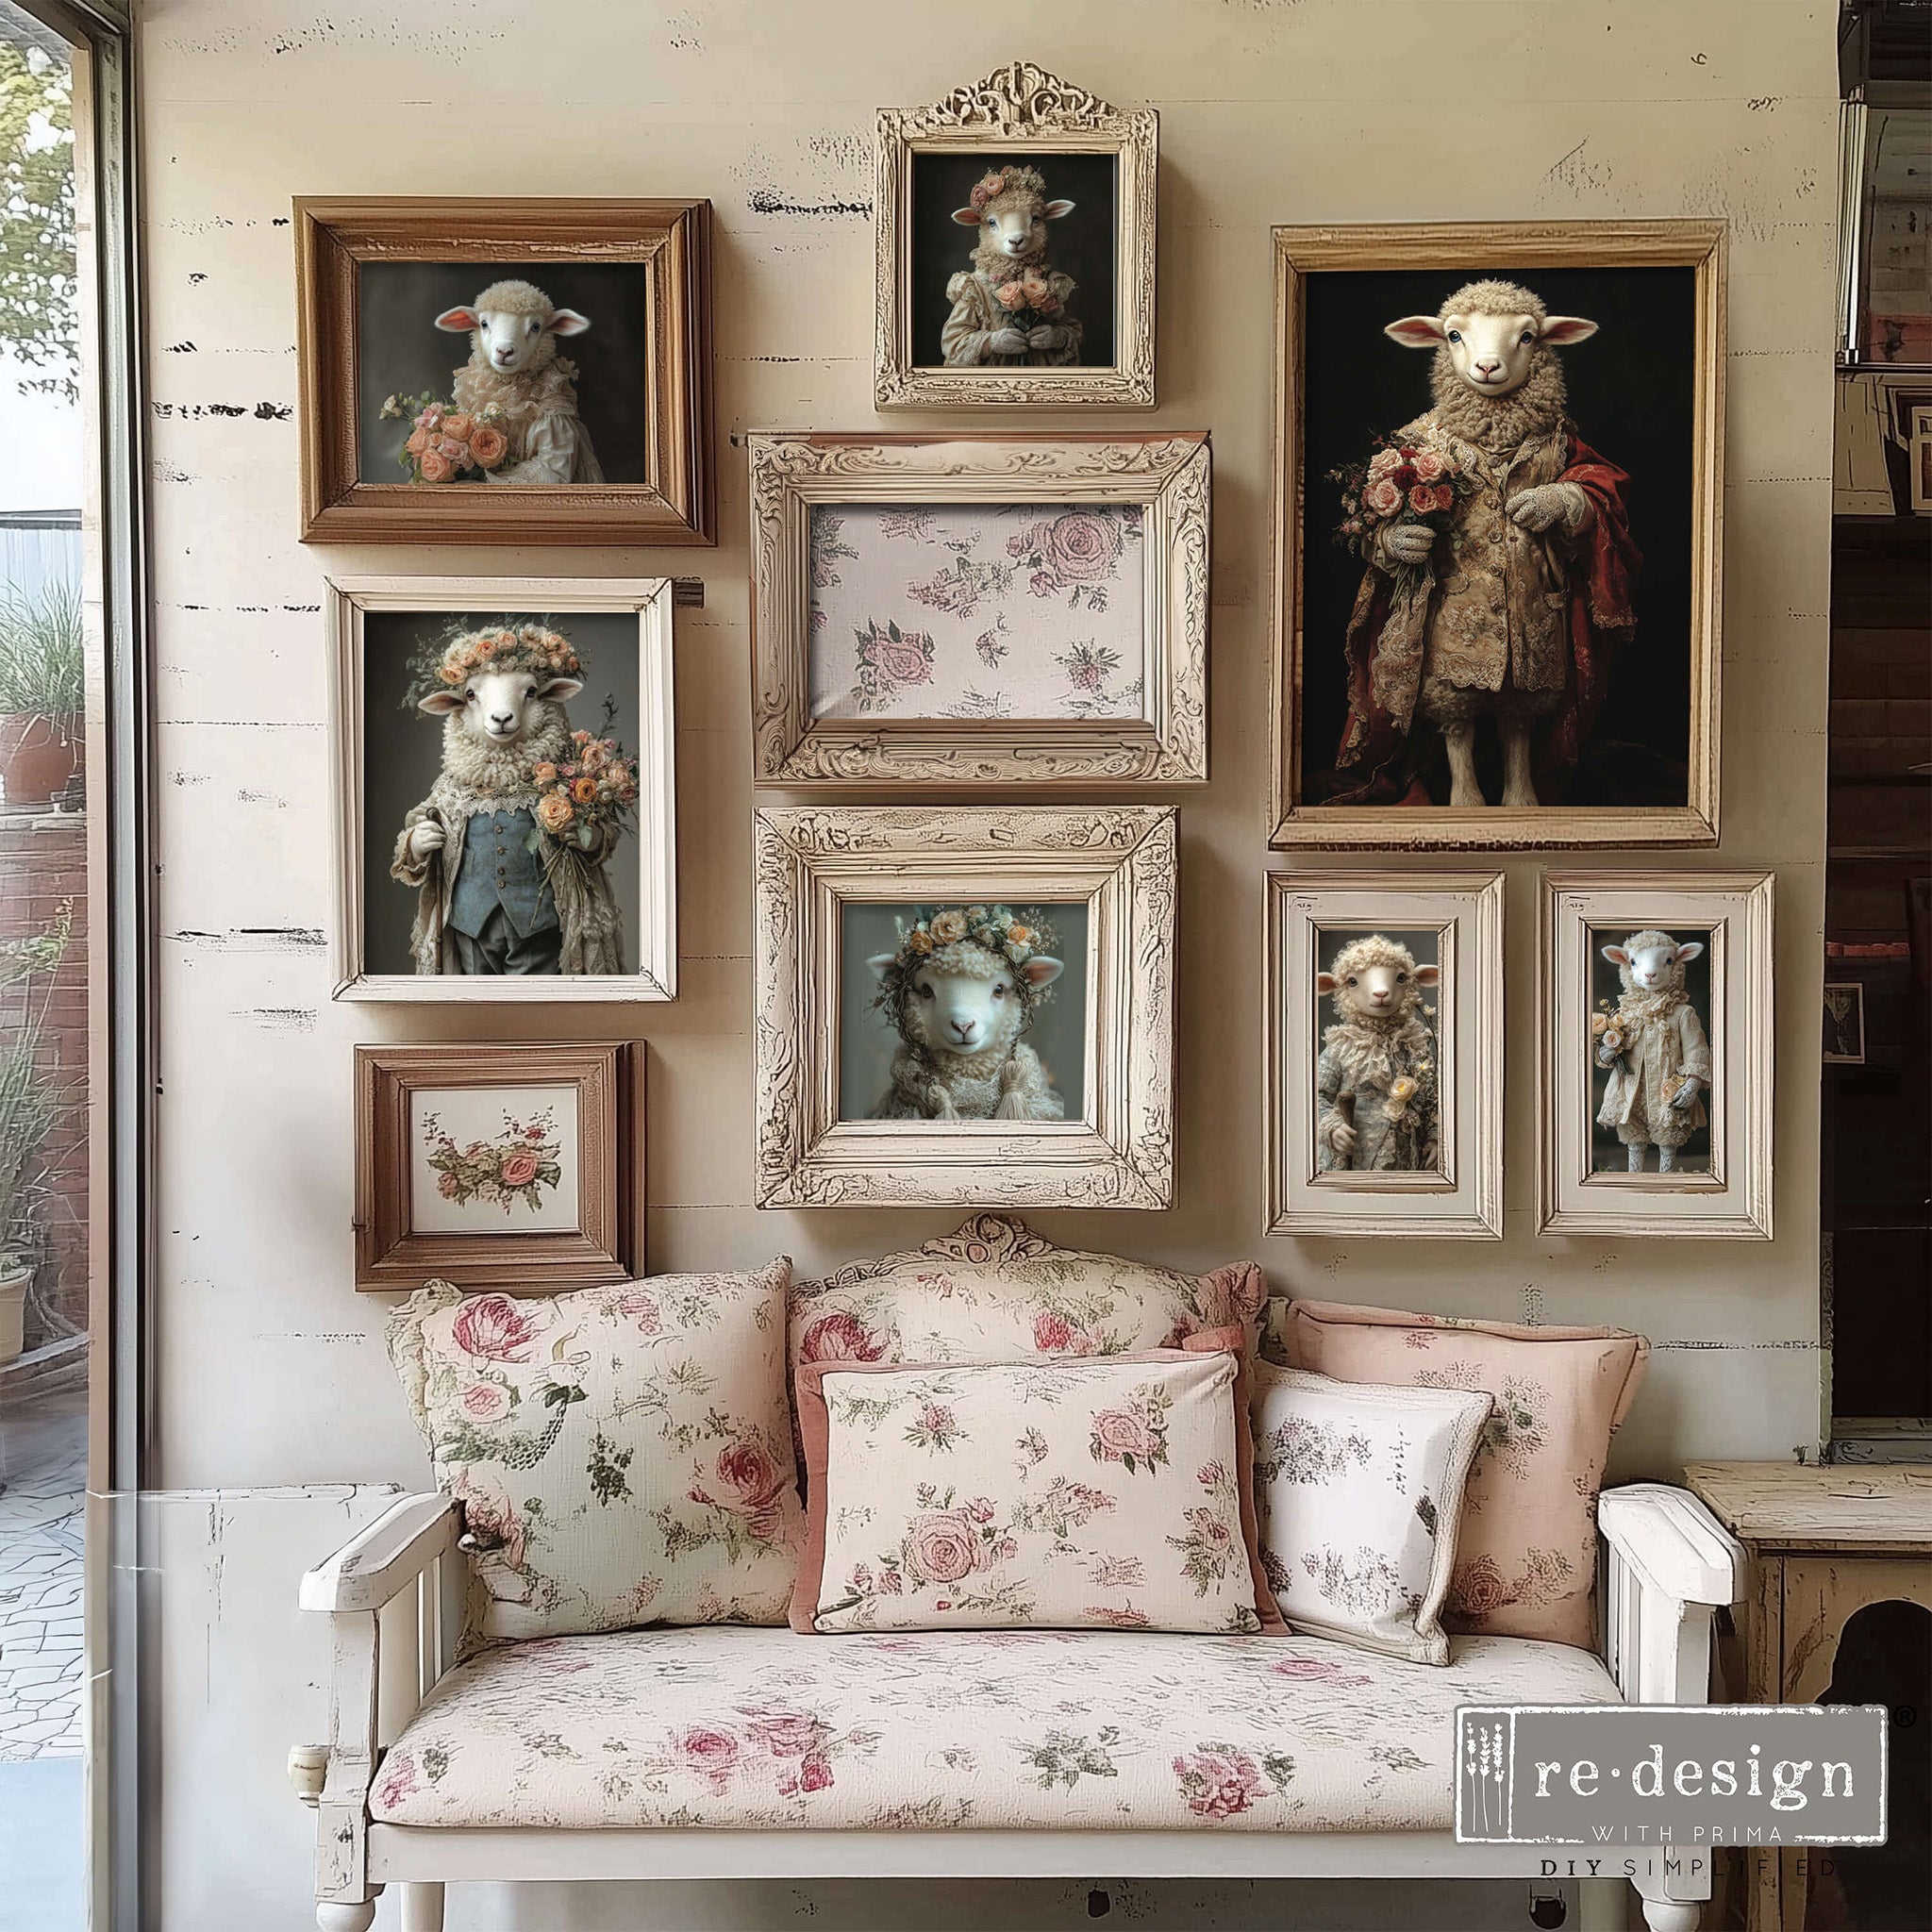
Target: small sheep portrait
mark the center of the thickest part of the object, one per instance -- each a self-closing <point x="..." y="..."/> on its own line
<point x="960" y="989"/>
<point x="1652" y="1047"/>
<point x="509" y="854"/>
<point x="1011" y="309"/>
<point x="1376" y="1083"/>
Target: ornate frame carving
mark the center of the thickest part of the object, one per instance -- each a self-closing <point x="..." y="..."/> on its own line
<point x="1165" y="471"/>
<point x="1734" y="1198"/>
<point x="1018" y="106"/>
<point x="1501" y="245"/>
<point x="1465" y="1199"/>
<point x="654" y="946"/>
<point x="1120" y="859"/>
<point x="335" y="235"/>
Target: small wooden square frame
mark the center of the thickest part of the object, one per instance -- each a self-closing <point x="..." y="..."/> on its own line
<point x="1854" y="991"/>
<point x="334" y="236"/>
<point x="1020" y="109"/>
<point x="1465" y="1197"/>
<point x="654" y="843"/>
<point x="608" y="1243"/>
<point x="1119" y="861"/>
<point x="1732" y="1199"/>
<point x="1167" y="474"/>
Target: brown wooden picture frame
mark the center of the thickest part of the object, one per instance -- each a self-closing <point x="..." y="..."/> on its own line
<point x="608" y="1243"/>
<point x="335" y="236"/>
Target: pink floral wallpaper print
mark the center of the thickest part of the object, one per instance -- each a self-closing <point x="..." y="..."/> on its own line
<point x="970" y="610"/>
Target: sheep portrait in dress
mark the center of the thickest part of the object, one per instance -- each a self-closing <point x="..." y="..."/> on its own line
<point x="1654" y="1048"/>
<point x="1505" y="598"/>
<point x="497" y="891"/>
<point x="960" y="990"/>
<point x="1375" y="1082"/>
<point x="1010" y="308"/>
<point x="516" y="379"/>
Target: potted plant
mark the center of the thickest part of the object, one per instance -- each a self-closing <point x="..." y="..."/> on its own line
<point x="32" y="1101"/>
<point x="42" y="691"/>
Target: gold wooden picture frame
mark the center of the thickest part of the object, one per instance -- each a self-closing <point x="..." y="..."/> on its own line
<point x="1454" y="922"/>
<point x="1019" y="114"/>
<point x="816" y="867"/>
<point x="533" y="1152"/>
<point x="670" y="499"/>
<point x="1160" y="480"/>
<point x="1722" y="1187"/>
<point x="637" y="611"/>
<point x="1451" y="253"/>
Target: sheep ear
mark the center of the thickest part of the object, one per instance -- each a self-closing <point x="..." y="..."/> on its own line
<point x="1429" y="975"/>
<point x="460" y="321"/>
<point x="1055" y="210"/>
<point x="439" y="703"/>
<point x="567" y="321"/>
<point x="1325" y="982"/>
<point x="1415" y="332"/>
<point x="1616" y="956"/>
<point x="879" y="961"/>
<point x="1041" y="970"/>
<point x="562" y="687"/>
<point x="1693" y="949"/>
<point x="1561" y="330"/>
<point x="967" y="217"/>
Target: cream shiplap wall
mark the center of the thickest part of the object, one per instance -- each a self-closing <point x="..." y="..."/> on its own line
<point x="270" y="1368"/>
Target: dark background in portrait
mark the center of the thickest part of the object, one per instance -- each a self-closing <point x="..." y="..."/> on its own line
<point x="1605" y="983"/>
<point x="1080" y="244"/>
<point x="402" y="751"/>
<point x="1425" y="946"/>
<point x="402" y="352"/>
<point x="867" y="1040"/>
<point x="1630" y="394"/>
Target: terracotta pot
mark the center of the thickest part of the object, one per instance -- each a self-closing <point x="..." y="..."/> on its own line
<point x="37" y="755"/>
<point x="14" y="1276"/>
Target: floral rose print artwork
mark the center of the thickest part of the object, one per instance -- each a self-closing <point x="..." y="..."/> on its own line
<point x="493" y="1160"/>
<point x="970" y="610"/>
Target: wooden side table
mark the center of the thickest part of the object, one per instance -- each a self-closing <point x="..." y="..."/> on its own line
<point x="1825" y="1544"/>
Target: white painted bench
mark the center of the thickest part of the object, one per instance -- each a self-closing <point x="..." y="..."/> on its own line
<point x="1667" y="1568"/>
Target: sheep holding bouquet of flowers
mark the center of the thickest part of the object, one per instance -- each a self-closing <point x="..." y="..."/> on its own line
<point x="509" y="854"/>
<point x="1010" y="308"/>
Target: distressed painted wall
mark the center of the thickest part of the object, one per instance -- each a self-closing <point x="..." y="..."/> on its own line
<point x="269" y="1368"/>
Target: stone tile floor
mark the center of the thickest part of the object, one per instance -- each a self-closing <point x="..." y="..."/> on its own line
<point x="42" y="1481"/>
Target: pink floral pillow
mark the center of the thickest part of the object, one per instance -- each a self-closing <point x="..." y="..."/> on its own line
<point x="997" y="1292"/>
<point x="1526" y="1563"/>
<point x="622" y="1454"/>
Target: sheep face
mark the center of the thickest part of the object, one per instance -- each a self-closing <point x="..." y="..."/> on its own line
<point x="1493" y="353"/>
<point x="1378" y="987"/>
<point x="1653" y="961"/>
<point x="968" y="1005"/>
<point x="513" y="326"/>
<point x="500" y="707"/>
<point x="1012" y="226"/>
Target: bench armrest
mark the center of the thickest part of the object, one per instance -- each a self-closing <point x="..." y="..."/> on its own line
<point x="381" y="1561"/>
<point x="1673" y="1544"/>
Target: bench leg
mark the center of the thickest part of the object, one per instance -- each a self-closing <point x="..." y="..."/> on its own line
<point x="1673" y="1915"/>
<point x="341" y="1917"/>
<point x="422" y="1908"/>
<point x="1600" y="1904"/>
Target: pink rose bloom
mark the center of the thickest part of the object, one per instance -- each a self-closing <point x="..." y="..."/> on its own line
<point x="715" y="1754"/>
<point x="494" y="1327"/>
<point x="1219" y="1783"/>
<point x="398" y="1780"/>
<point x="891" y="1583"/>
<point x="1384" y="463"/>
<point x="1042" y="583"/>
<point x="517" y="1170"/>
<point x="431" y="417"/>
<point x="751" y="1469"/>
<point x="941" y="1547"/>
<point x="1082" y="547"/>
<point x="643" y="1309"/>
<point x="1383" y="498"/>
<point x="1052" y="1332"/>
<point x="450" y="447"/>
<point x="1010" y="296"/>
<point x="1421" y="499"/>
<point x="904" y="659"/>
<point x="839" y="1337"/>
<point x="1314" y="1670"/>
<point x="786" y="1733"/>
<point x="1446" y="497"/>
<point x="447" y="1186"/>
<point x="814" y="1775"/>
<point x="435" y="467"/>
<point x="1120" y="1433"/>
<point x="485" y="1402"/>
<point x="1428" y="466"/>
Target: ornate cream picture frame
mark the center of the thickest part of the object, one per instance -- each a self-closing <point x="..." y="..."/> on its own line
<point x="1165" y="475"/>
<point x="634" y="613"/>
<point x="812" y="865"/>
<point x="1020" y="109"/>
<point x="1581" y="1187"/>
<point x="1451" y="921"/>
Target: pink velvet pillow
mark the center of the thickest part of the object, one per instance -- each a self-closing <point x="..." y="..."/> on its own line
<point x="1526" y="1563"/>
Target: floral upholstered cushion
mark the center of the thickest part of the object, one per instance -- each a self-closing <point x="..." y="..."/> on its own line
<point x="997" y="1292"/>
<point x="622" y="1454"/>
<point x="1104" y="1492"/>
<point x="1525" y="1559"/>
<point x="1358" y="1488"/>
<point x="989" y="1730"/>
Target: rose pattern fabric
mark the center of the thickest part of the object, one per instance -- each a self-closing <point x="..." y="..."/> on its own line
<point x="756" y="1729"/>
<point x="1525" y="1559"/>
<point x="622" y="1454"/>
<point x="997" y="1292"/>
<point x="959" y="611"/>
<point x="1073" y="1493"/>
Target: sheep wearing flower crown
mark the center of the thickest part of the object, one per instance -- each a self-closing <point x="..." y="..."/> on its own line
<point x="961" y="987"/>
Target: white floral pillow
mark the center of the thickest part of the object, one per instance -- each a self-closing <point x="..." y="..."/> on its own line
<point x="622" y="1454"/>
<point x="1359" y="1491"/>
<point x="1109" y="1493"/>
<point x="997" y="1292"/>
